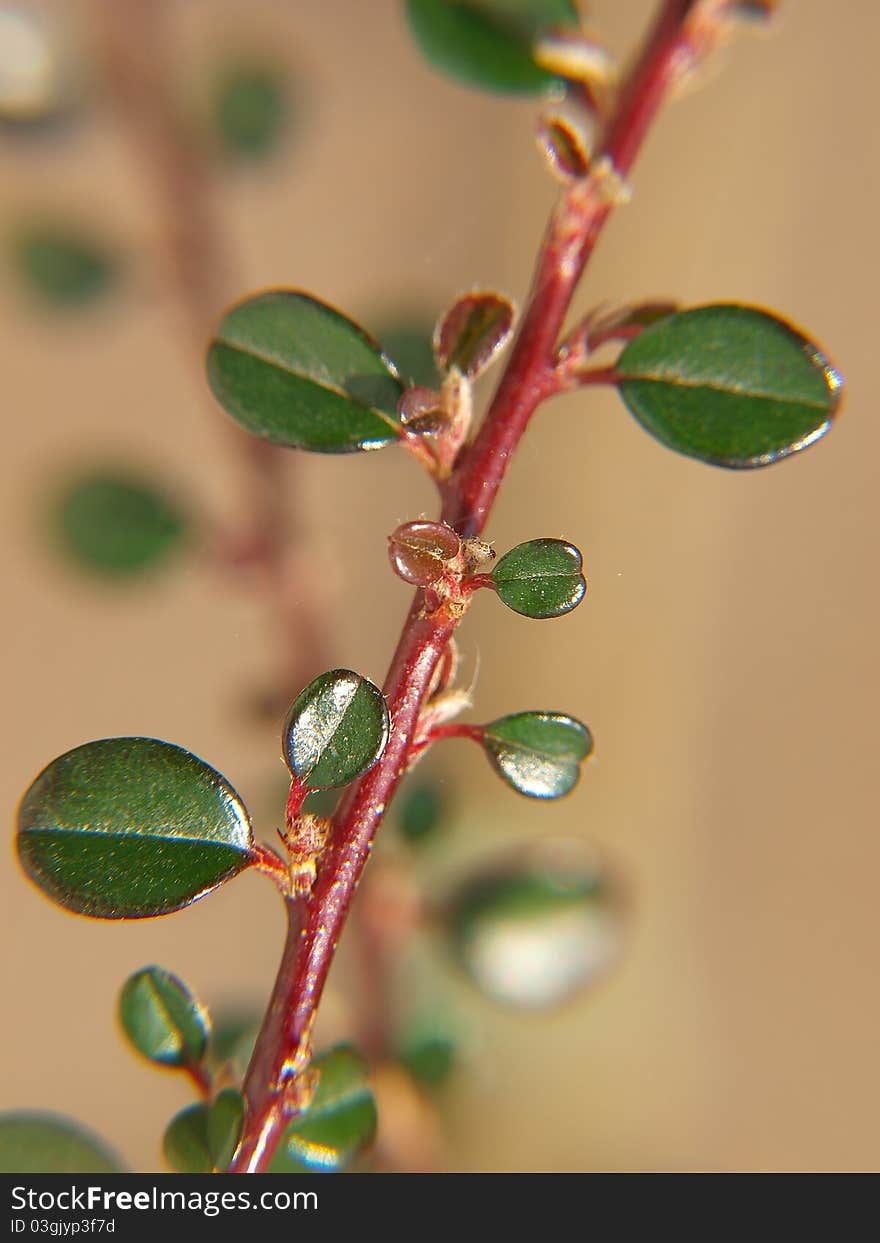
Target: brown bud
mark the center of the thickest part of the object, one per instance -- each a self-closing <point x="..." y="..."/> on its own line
<point x="564" y="146"/>
<point x="473" y="331"/>
<point x="421" y="552"/>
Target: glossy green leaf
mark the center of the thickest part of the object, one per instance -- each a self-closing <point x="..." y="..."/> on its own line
<point x="250" y="109"/>
<point x="420" y="810"/>
<point x="295" y="371"/>
<point x="487" y="44"/>
<point x="117" y="525"/>
<point x="162" y="1018"/>
<point x="62" y="265"/>
<point x="336" y="729"/>
<point x="541" y="578"/>
<point x="536" y="930"/>
<point x="202" y="1138"/>
<point x="125" y="828"/>
<point x="539" y="754"/>
<point x="45" y="1143"/>
<point x="339" y="1122"/>
<point x="730" y="385"/>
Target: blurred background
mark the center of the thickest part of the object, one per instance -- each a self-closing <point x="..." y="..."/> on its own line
<point x="725" y="656"/>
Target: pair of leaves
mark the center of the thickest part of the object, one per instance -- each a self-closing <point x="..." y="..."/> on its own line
<point x="126" y="828"/>
<point x="731" y="385"/>
<point x="338" y="1123"/>
<point x="488" y="43"/>
<point x="299" y="373"/>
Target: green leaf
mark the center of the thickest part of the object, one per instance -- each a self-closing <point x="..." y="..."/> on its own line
<point x="541" y="578"/>
<point x="428" y="1050"/>
<point x="117" y="525"/>
<point x="407" y="340"/>
<point x="336" y="730"/>
<point x="539" y="754"/>
<point x="730" y="385"/>
<point x="420" y="810"/>
<point x="45" y="1143"/>
<point x="537" y="929"/>
<point x="233" y="1038"/>
<point x="480" y="44"/>
<point x="202" y="1138"/>
<point x="162" y="1018"/>
<point x="295" y="371"/>
<point x="185" y="1144"/>
<point x="126" y="828"/>
<point x="225" y="1123"/>
<point x="62" y="265"/>
<point x="339" y="1122"/>
<point x="250" y="109"/>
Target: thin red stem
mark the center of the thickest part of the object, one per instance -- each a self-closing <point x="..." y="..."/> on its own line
<point x="272" y="1084"/>
<point x="200" y="1079"/>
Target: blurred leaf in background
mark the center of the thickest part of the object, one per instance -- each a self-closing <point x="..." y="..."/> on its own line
<point x="115" y="524"/>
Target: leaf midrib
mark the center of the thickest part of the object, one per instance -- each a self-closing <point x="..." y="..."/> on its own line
<point x="273" y="361"/>
<point x="149" y="837"/>
<point x="676" y="382"/>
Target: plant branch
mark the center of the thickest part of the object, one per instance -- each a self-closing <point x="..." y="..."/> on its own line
<point x="274" y="1084"/>
<point x="138" y="55"/>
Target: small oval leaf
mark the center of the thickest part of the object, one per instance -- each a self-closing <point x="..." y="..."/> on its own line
<point x="32" y="1142"/>
<point x="250" y="109"/>
<point x="185" y="1143"/>
<point x="421" y="810"/>
<point x="117" y="525"/>
<point x="473" y="332"/>
<point x="428" y="1049"/>
<point x="339" y="1122"/>
<point x="126" y="828"/>
<point x="538" y="929"/>
<point x="541" y="578"/>
<point x="477" y="44"/>
<point x="225" y="1123"/>
<point x="162" y="1018"/>
<point x="62" y="265"/>
<point x="335" y="730"/>
<point x="406" y="339"/>
<point x="297" y="372"/>
<point x="730" y="385"/>
<point x="539" y="754"/>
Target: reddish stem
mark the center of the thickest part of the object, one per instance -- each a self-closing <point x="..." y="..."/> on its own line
<point x="454" y="730"/>
<point x="200" y="1079"/>
<point x="273" y="1082"/>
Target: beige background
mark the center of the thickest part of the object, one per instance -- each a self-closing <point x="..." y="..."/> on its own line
<point x="726" y="657"/>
